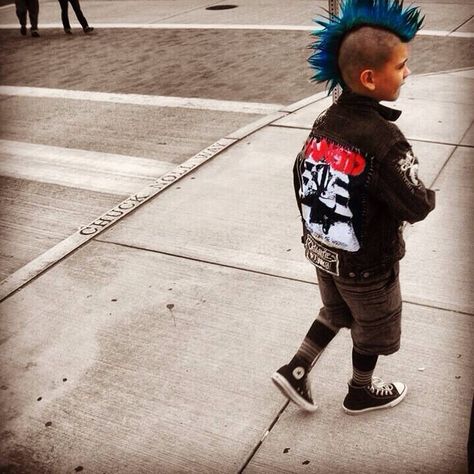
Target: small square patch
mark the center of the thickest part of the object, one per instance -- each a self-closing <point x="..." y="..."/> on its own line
<point x="320" y="256"/>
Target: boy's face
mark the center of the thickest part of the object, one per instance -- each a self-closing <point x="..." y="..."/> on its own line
<point x="389" y="79"/>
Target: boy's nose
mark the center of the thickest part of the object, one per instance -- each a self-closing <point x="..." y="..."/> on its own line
<point x="407" y="72"/>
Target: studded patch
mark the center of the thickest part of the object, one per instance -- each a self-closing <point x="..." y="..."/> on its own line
<point x="320" y="256"/>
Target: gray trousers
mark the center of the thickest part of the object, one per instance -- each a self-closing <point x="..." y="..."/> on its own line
<point x="370" y="307"/>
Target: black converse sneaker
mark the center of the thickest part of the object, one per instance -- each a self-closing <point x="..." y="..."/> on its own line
<point x="376" y="396"/>
<point x="294" y="384"/>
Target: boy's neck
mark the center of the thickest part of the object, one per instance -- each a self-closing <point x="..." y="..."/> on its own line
<point x="354" y="99"/>
<point x="361" y="93"/>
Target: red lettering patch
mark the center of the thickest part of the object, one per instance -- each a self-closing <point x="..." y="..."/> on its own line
<point x="346" y="161"/>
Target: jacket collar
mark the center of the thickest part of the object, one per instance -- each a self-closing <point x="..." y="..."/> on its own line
<point x="352" y="99"/>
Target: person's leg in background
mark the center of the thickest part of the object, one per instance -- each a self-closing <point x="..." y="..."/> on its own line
<point x="21" y="11"/>
<point x="80" y="16"/>
<point x="64" y="16"/>
<point x="33" y="12"/>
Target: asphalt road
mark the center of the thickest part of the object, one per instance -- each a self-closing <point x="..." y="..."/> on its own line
<point x="243" y="65"/>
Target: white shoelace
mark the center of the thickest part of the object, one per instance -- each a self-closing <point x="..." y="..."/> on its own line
<point x="379" y="387"/>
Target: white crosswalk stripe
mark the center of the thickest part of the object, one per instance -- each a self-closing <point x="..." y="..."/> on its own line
<point x="93" y="171"/>
<point x="227" y="26"/>
<point x="147" y="100"/>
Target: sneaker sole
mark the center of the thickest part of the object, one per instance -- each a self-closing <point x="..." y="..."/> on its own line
<point x="290" y="393"/>
<point x="392" y="404"/>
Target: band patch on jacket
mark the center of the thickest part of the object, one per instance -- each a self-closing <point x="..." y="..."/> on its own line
<point x="327" y="173"/>
<point x="321" y="256"/>
<point x="409" y="169"/>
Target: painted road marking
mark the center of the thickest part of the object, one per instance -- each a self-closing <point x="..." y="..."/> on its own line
<point x="89" y="170"/>
<point x="224" y="26"/>
<point x="140" y="99"/>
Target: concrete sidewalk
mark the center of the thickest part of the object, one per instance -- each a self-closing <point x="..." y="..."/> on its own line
<point x="150" y="348"/>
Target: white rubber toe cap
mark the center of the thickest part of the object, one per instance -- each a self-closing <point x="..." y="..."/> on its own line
<point x="401" y="387"/>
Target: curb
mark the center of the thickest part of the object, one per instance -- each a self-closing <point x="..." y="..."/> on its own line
<point x="54" y="255"/>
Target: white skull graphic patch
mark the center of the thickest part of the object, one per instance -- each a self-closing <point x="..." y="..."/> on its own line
<point x="409" y="168"/>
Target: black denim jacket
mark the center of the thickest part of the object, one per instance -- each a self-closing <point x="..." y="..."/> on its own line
<point x="356" y="182"/>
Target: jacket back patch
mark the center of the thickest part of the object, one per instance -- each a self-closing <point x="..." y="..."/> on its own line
<point x="329" y="175"/>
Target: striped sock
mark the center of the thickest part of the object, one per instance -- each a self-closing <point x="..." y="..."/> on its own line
<point x="362" y="368"/>
<point x="315" y="341"/>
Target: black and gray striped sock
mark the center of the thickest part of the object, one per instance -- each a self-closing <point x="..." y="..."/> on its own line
<point x="362" y="368"/>
<point x="315" y="341"/>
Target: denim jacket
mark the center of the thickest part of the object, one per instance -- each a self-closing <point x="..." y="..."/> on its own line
<point x="356" y="182"/>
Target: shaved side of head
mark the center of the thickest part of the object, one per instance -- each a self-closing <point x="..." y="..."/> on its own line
<point x="367" y="47"/>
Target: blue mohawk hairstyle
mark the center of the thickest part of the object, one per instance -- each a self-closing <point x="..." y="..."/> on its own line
<point x="386" y="14"/>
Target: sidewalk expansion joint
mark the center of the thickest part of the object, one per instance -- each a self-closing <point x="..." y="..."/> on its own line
<point x="262" y="273"/>
<point x="465" y="135"/>
<point x="440" y="308"/>
<point x="433" y="183"/>
<point x="461" y="25"/>
<point x="259" y="444"/>
<point x="208" y="262"/>
<point x="434" y="142"/>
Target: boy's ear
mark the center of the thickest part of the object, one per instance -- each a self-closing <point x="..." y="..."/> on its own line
<point x="367" y="79"/>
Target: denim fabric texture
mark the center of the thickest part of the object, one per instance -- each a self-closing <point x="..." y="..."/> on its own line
<point x="370" y="305"/>
<point x="378" y="202"/>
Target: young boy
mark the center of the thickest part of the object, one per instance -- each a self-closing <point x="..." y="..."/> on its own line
<point x="356" y="183"/>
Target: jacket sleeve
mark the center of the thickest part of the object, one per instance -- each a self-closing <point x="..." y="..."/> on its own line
<point x="399" y="186"/>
